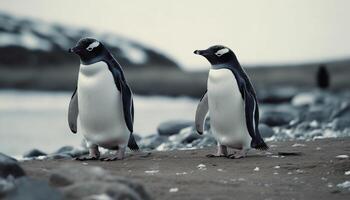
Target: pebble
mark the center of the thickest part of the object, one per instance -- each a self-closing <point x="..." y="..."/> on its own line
<point x="172" y="190"/>
<point x="202" y="167"/>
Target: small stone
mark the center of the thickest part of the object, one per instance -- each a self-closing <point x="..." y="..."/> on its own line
<point x="152" y="172"/>
<point x="256" y="169"/>
<point x="180" y="173"/>
<point x="342" y="156"/>
<point x="202" y="167"/>
<point x="172" y="190"/>
<point x="298" y="145"/>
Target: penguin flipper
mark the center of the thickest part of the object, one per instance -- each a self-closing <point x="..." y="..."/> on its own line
<point x="201" y="112"/>
<point x="128" y="105"/>
<point x="73" y="112"/>
<point x="252" y="120"/>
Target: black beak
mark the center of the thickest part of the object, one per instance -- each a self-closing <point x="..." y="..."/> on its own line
<point x="73" y="50"/>
<point x="200" y="52"/>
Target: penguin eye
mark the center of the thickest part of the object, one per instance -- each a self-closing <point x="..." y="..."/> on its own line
<point x="92" y="46"/>
<point x="222" y="52"/>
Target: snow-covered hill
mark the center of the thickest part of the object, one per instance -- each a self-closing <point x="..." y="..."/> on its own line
<point x="28" y="42"/>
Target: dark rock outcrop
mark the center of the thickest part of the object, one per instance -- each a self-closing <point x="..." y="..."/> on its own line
<point x="26" y="188"/>
<point x="82" y="182"/>
<point x="34" y="153"/>
<point x="10" y="167"/>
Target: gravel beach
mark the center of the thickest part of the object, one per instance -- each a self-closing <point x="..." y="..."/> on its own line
<point x="288" y="170"/>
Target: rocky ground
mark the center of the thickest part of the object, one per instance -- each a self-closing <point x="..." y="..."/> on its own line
<point x="307" y="131"/>
<point x="285" y="114"/>
<point x="317" y="169"/>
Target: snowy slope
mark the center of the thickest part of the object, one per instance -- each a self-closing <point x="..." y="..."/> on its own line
<point x="36" y="42"/>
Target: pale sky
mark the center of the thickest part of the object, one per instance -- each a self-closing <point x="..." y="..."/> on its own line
<point x="260" y="31"/>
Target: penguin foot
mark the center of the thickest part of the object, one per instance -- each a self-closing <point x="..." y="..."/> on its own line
<point x="235" y="156"/>
<point x="238" y="155"/>
<point x="84" y="158"/>
<point x="111" y="158"/>
<point x="215" y="156"/>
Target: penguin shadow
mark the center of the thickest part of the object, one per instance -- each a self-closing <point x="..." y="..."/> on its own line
<point x="104" y="157"/>
<point x="139" y="154"/>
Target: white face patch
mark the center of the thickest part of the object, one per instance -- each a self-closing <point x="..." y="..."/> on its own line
<point x="92" y="46"/>
<point x="222" y="52"/>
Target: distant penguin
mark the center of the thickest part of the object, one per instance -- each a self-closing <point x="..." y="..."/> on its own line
<point x="232" y="105"/>
<point x="101" y="107"/>
<point x="323" y="77"/>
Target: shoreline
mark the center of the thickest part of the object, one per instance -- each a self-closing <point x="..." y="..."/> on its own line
<point x="313" y="173"/>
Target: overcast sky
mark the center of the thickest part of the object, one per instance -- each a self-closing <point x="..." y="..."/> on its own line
<point x="260" y="31"/>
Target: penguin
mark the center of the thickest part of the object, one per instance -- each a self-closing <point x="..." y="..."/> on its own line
<point x="323" y="77"/>
<point x="231" y="102"/>
<point x="101" y="107"/>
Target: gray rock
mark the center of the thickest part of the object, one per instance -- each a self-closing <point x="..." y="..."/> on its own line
<point x="65" y="149"/>
<point x="34" y="153"/>
<point x="187" y="138"/>
<point x="59" y="156"/>
<point x="26" y="188"/>
<point x="9" y="166"/>
<point x="152" y="141"/>
<point x="68" y="152"/>
<point x="341" y="124"/>
<point x="265" y="131"/>
<point x="343" y="111"/>
<point x="276" y="118"/>
<point x="173" y="127"/>
<point x="82" y="182"/>
<point x="304" y="99"/>
<point x="320" y="113"/>
<point x="277" y="95"/>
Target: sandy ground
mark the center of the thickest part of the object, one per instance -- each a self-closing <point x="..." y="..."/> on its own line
<point x="262" y="175"/>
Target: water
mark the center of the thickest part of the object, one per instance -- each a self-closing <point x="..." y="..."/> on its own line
<point x="39" y="119"/>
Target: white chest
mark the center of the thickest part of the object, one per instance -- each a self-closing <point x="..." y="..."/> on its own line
<point x="100" y="106"/>
<point x="226" y="108"/>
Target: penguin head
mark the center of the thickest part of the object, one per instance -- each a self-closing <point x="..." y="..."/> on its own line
<point x="217" y="54"/>
<point x="89" y="50"/>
